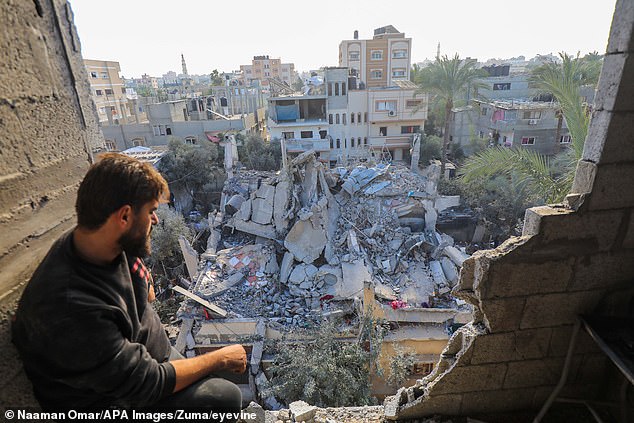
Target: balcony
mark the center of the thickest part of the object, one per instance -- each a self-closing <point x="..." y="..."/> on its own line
<point x="301" y="145"/>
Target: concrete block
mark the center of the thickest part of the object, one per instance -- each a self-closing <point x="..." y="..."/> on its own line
<point x="441" y="404"/>
<point x="585" y="174"/>
<point x="494" y="348"/>
<point x="301" y="411"/>
<point x="503" y="314"/>
<point x="521" y="279"/>
<point x="262" y="211"/>
<point x="612" y="187"/>
<point x="497" y="401"/>
<point x="306" y="240"/>
<point x="628" y="241"/>
<point x="615" y="92"/>
<point x="603" y="270"/>
<point x="486" y="377"/>
<point x="532" y="343"/>
<point x="606" y="124"/>
<point x="533" y="373"/>
<point x="621" y="32"/>
<point x="557" y="309"/>
<point x="280" y="203"/>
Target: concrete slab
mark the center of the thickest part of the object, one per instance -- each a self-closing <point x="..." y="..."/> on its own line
<point x="306" y="240"/>
<point x="355" y="274"/>
<point x="190" y="255"/>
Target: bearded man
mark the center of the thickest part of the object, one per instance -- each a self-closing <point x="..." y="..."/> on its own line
<point x="85" y="329"/>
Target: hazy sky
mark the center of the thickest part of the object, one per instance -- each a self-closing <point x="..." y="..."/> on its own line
<point x="148" y="36"/>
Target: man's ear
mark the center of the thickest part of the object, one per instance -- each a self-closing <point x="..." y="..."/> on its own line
<point x="123" y="216"/>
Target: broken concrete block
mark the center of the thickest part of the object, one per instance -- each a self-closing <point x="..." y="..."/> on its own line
<point x="234" y="204"/>
<point x="361" y="176"/>
<point x="245" y="211"/>
<point x="212" y="244"/>
<point x="190" y="255"/>
<point x="306" y="240"/>
<point x="258" y="346"/>
<point x="266" y="191"/>
<point x="271" y="267"/>
<point x="353" y="243"/>
<point x="355" y="274"/>
<point x="302" y="411"/>
<point x="445" y="201"/>
<point x="450" y="270"/>
<point x="280" y="204"/>
<point x="264" y="390"/>
<point x="286" y="267"/>
<point x="457" y="256"/>
<point x="212" y="307"/>
<point x="309" y="184"/>
<point x="431" y="215"/>
<point x="265" y="231"/>
<point x="437" y="273"/>
<point x="384" y="291"/>
<point x="262" y="211"/>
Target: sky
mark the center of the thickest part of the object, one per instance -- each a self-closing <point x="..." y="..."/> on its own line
<point x="148" y="36"/>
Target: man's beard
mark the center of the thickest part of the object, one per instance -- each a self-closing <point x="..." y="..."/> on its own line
<point x="136" y="243"/>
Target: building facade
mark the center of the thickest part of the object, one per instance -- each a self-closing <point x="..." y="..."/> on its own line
<point x="380" y="61"/>
<point x="262" y="68"/>
<point x="108" y="91"/>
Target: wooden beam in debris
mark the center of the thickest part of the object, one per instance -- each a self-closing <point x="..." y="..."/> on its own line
<point x="214" y="308"/>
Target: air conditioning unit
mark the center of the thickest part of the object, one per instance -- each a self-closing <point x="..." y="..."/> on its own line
<point x="532" y="121"/>
<point x="391" y="113"/>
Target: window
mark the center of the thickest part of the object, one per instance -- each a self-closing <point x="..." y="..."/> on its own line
<point x="190" y="140"/>
<point x="162" y="129"/>
<point x="534" y="114"/>
<point x="399" y="54"/>
<point x="412" y="104"/>
<point x="288" y="135"/>
<point x="343" y="88"/>
<point x="359" y="117"/>
<point x="565" y="139"/>
<point x="337" y="88"/>
<point x="352" y="142"/>
<point x="365" y="117"/>
<point x="109" y="91"/>
<point x="330" y="118"/>
<point x="351" y="118"/>
<point x="322" y="134"/>
<point x="330" y="90"/>
<point x="376" y="74"/>
<point x="353" y="55"/>
<point x="337" y="119"/>
<point x="398" y="73"/>
<point x="484" y="111"/>
<point x="138" y="142"/>
<point x="528" y="140"/>
<point x="344" y="118"/>
<point x="104" y="75"/>
<point x="338" y="143"/>
<point x="122" y="90"/>
<point x="383" y="131"/>
<point x="412" y="129"/>
<point x="481" y="134"/>
<point x="422" y="368"/>
<point x="111" y="145"/>
<point x="156" y="130"/>
<point x="93" y="74"/>
<point x="376" y="55"/>
<point x="332" y="143"/>
<point x="502" y="86"/>
<point x="168" y="130"/>
<point x="306" y="134"/>
<point x="385" y="105"/>
<point x="365" y="140"/>
<point x="99" y="92"/>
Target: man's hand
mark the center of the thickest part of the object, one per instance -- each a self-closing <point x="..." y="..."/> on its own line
<point x="233" y="358"/>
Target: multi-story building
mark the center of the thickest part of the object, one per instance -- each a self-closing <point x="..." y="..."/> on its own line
<point x="340" y="121"/>
<point x="108" y="91"/>
<point x="262" y="68"/>
<point x="529" y="124"/>
<point x="381" y="61"/>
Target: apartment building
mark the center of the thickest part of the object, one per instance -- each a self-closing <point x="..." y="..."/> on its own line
<point x="263" y="67"/>
<point x="108" y="91"/>
<point x="340" y="121"/>
<point x="380" y="61"/>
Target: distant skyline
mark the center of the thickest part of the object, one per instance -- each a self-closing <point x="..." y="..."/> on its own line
<point x="149" y="36"/>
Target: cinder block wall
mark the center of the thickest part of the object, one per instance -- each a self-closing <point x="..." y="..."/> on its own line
<point x="48" y="126"/>
<point x="572" y="259"/>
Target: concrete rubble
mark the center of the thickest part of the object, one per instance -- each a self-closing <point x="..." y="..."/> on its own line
<point x="290" y="248"/>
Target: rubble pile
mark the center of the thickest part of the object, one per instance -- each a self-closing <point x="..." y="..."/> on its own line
<point x="303" y="242"/>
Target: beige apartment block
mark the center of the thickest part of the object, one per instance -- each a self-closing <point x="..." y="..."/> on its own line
<point x="380" y="61"/>
<point x="262" y="68"/>
<point x="107" y="90"/>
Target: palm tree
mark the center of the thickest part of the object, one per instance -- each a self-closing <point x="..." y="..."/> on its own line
<point x="547" y="179"/>
<point x="449" y="81"/>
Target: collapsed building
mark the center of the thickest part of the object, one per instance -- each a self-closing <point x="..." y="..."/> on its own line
<point x="290" y="248"/>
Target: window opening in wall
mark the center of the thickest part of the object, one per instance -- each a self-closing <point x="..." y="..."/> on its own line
<point x="410" y="129"/>
<point x="351" y="118"/>
<point x="376" y="74"/>
<point x="343" y="88"/>
<point x="365" y="140"/>
<point x="123" y="90"/>
<point x="323" y="134"/>
<point x="411" y="104"/>
<point x="344" y="118"/>
<point x="398" y="73"/>
<point x="93" y="74"/>
<point x="104" y="75"/>
<point x="330" y="118"/>
<point x="502" y="86"/>
<point x="337" y="121"/>
<point x="338" y="143"/>
<point x="365" y="117"/>
<point x="99" y="92"/>
<point x="138" y="142"/>
<point x="162" y="129"/>
<point x="337" y="88"/>
<point x="484" y="111"/>
<point x="156" y="130"/>
<point x="353" y="55"/>
<point x="168" y="130"/>
<point x="399" y="54"/>
<point x="385" y="105"/>
<point x="330" y="89"/>
<point x="565" y="139"/>
<point x="376" y="55"/>
<point x="332" y="143"/>
<point x="481" y="134"/>
<point x="383" y="131"/>
<point x="352" y="142"/>
<point x="288" y="135"/>
<point x="190" y="140"/>
<point x="306" y="134"/>
<point x="108" y="91"/>
<point x="359" y="117"/>
<point x="532" y="114"/>
<point x="111" y="145"/>
<point x="528" y="140"/>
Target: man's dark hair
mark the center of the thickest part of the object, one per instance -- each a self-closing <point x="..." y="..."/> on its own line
<point x="114" y="181"/>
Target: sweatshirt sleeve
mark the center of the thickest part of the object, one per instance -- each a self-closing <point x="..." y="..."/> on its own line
<point x="87" y="351"/>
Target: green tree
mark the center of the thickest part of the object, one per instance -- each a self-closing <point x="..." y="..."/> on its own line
<point x="448" y="81"/>
<point x="257" y="154"/>
<point x="216" y="78"/>
<point x="430" y="148"/>
<point x="165" y="248"/>
<point x="546" y="179"/>
<point x="298" y="84"/>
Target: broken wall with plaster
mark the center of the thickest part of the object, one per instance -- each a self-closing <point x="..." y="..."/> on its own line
<point x="49" y="128"/>
<point x="571" y="259"/>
